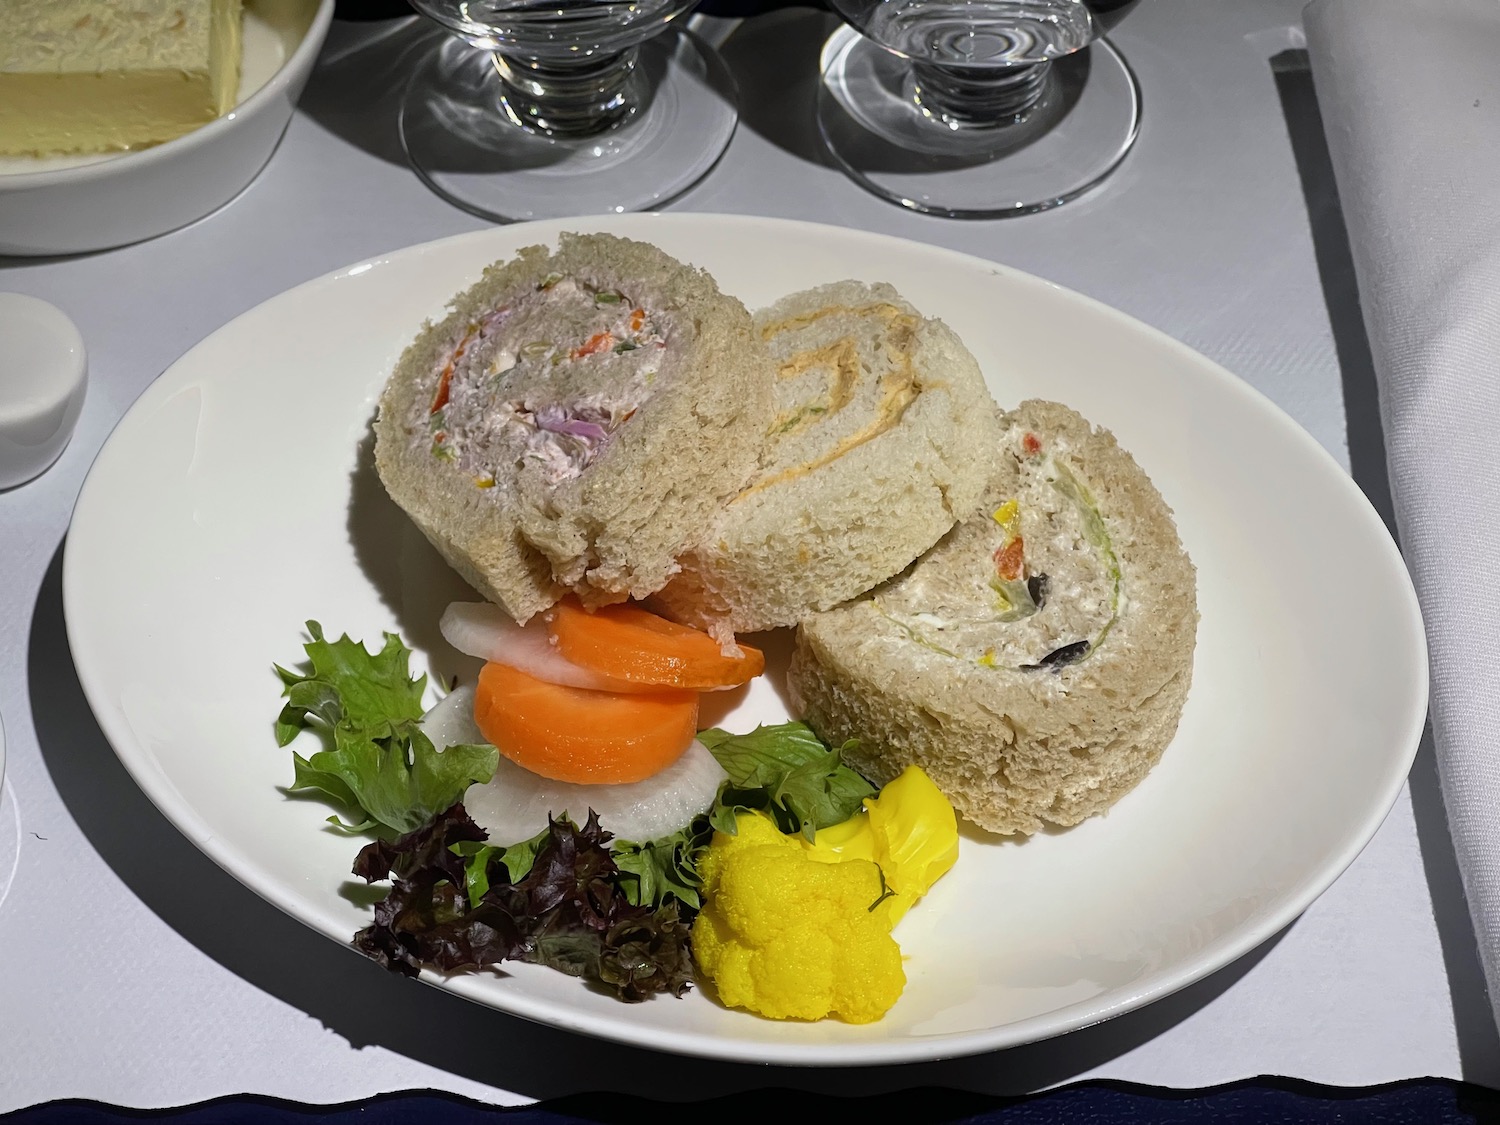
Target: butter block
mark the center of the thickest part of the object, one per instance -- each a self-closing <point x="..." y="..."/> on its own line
<point x="85" y="76"/>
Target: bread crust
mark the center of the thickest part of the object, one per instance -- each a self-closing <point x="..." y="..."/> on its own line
<point x="882" y="473"/>
<point x="614" y="528"/>
<point x="1017" y="748"/>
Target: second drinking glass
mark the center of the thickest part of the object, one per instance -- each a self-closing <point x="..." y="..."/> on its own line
<point x="538" y="110"/>
<point x="977" y="108"/>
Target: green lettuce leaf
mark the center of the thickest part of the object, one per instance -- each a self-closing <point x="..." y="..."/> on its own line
<point x="647" y="874"/>
<point x="517" y="860"/>
<point x="347" y="683"/>
<point x="376" y="761"/>
<point x="787" y="773"/>
<point x="650" y="873"/>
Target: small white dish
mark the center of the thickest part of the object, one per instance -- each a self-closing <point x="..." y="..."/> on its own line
<point x="43" y="375"/>
<point x="1308" y="698"/>
<point x="73" y="204"/>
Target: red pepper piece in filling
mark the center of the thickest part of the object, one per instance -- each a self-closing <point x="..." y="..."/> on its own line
<point x="1010" y="560"/>
<point x="1030" y="443"/>
<point x="440" y="398"/>
<point x="598" y="342"/>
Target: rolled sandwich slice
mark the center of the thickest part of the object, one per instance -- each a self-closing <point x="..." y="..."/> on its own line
<point x="881" y="441"/>
<point x="575" y="421"/>
<point x="1035" y="662"/>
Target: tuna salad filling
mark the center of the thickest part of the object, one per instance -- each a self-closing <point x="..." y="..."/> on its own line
<point x="1036" y="585"/>
<point x="541" y="384"/>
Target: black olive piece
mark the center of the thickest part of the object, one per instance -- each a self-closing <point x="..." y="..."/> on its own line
<point x="1036" y="586"/>
<point x="1060" y="657"/>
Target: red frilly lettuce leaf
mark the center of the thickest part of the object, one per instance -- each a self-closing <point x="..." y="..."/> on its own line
<point x="569" y="911"/>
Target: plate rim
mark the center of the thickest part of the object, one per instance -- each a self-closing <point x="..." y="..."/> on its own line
<point x="1154" y="985"/>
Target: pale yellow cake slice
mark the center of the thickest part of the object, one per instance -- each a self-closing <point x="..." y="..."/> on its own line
<point x="85" y="76"/>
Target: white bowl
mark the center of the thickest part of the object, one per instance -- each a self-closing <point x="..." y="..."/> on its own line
<point x="67" y="205"/>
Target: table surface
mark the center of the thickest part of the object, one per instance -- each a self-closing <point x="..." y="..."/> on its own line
<point x="134" y="971"/>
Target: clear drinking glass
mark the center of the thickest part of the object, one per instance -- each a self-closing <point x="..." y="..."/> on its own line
<point x="977" y="108"/>
<point x="535" y="110"/>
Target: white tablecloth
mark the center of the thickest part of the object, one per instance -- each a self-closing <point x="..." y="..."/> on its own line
<point x="1423" y="206"/>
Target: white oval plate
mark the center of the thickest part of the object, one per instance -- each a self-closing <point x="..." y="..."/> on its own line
<point x="235" y="501"/>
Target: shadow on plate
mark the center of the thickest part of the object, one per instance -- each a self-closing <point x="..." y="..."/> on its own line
<point x="405" y="570"/>
<point x="368" y="1006"/>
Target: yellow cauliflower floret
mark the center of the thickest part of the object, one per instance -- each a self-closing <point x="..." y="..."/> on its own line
<point x="789" y="937"/>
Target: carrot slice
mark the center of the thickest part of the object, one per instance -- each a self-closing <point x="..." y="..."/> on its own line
<point x="587" y="737"/>
<point x="631" y="643"/>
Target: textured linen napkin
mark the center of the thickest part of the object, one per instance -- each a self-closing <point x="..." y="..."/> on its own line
<point x="1409" y="91"/>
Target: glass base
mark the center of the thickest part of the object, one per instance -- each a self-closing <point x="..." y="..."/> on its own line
<point x="874" y="123"/>
<point x="458" y="138"/>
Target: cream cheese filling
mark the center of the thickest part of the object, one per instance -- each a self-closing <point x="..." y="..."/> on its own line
<point x="1035" y="585"/>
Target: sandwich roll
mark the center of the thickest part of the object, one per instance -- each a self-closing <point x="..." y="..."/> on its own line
<point x="880" y="442"/>
<point x="576" y="420"/>
<point x="1035" y="662"/>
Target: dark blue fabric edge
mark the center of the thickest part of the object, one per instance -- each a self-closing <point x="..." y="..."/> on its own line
<point x="1282" y="1101"/>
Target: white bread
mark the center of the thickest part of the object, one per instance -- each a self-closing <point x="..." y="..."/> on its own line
<point x="883" y="431"/>
<point x="949" y="667"/>
<point x="600" y="405"/>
